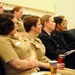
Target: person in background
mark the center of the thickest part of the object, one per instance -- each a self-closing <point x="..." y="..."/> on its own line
<point x="65" y="21"/>
<point x="16" y="54"/>
<point x="2" y="70"/>
<point x="57" y="35"/>
<point x="33" y="27"/>
<point x="18" y="12"/>
<point x="68" y="36"/>
<point x="1" y="8"/>
<point x="64" y="40"/>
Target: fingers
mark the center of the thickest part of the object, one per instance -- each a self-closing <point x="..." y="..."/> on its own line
<point x="32" y="64"/>
<point x="61" y="66"/>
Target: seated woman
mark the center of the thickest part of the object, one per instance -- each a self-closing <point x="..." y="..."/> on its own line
<point x="68" y="36"/>
<point x="18" y="13"/>
<point x="33" y="27"/>
<point x="65" y="40"/>
<point x="16" y="54"/>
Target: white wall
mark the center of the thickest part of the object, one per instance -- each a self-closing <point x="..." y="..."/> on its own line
<point x="36" y="7"/>
<point x="59" y="7"/>
<point x="26" y="11"/>
<point x="38" y="4"/>
<point x="66" y="8"/>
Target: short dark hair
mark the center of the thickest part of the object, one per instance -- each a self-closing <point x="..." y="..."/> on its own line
<point x="58" y="20"/>
<point x="30" y="21"/>
<point x="6" y="23"/>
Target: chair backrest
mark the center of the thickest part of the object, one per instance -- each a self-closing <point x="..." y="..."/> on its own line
<point x="2" y="70"/>
<point x="72" y="31"/>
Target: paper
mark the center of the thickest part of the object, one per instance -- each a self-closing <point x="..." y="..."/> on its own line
<point x="38" y="73"/>
<point x="69" y="52"/>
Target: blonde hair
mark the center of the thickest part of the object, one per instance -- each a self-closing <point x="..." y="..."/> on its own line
<point x="44" y="19"/>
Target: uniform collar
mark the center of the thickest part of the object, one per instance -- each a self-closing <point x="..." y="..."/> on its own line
<point x="30" y="37"/>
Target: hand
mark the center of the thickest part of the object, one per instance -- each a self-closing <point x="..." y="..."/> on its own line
<point x="60" y="66"/>
<point x="33" y="63"/>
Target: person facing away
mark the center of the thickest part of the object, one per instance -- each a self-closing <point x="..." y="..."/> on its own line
<point x="1" y="8"/>
<point x="59" y="35"/>
<point x="15" y="53"/>
<point x="33" y="27"/>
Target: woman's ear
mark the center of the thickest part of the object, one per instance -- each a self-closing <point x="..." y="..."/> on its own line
<point x="45" y="23"/>
<point x="58" y="25"/>
<point x="33" y="28"/>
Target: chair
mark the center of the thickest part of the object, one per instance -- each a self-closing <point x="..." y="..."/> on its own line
<point x="72" y="31"/>
<point x="2" y="70"/>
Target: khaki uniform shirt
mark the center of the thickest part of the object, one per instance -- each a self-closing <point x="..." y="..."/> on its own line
<point x="40" y="51"/>
<point x="20" y="25"/>
<point x="39" y="48"/>
<point x="12" y="47"/>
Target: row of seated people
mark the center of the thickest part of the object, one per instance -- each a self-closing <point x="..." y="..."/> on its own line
<point x="2" y="69"/>
<point x="57" y="40"/>
<point x="23" y="55"/>
<point x="65" y="39"/>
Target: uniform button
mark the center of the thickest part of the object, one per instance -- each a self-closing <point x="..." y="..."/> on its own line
<point x="57" y="49"/>
<point x="57" y="45"/>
